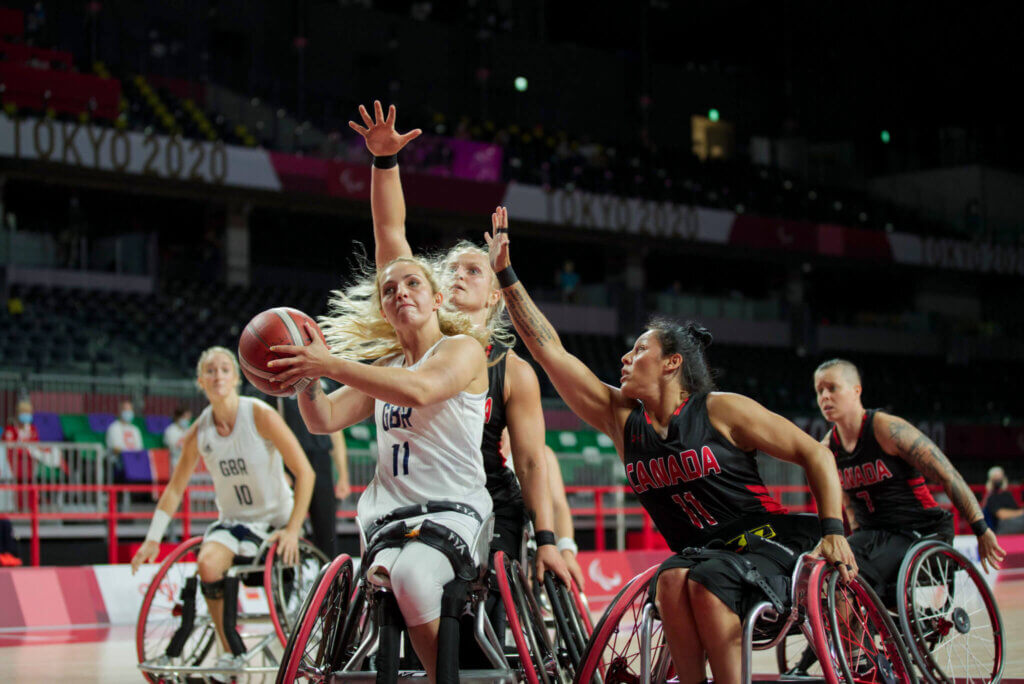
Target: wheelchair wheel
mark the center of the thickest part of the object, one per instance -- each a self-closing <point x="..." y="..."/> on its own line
<point x="582" y="609"/>
<point x="171" y="599"/>
<point x="287" y="585"/>
<point x="536" y="654"/>
<point x="312" y="652"/>
<point x="613" y="653"/>
<point x="863" y="640"/>
<point x="949" y="616"/>
<point x="570" y="632"/>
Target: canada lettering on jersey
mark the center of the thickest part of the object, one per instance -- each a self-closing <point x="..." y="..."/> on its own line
<point x="665" y="472"/>
<point x="396" y="417"/>
<point x="864" y="474"/>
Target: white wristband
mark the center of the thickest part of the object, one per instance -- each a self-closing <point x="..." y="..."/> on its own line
<point x="567" y="544"/>
<point x="161" y="519"/>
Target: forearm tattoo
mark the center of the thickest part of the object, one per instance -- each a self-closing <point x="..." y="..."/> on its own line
<point x="923" y="454"/>
<point x="314" y="391"/>
<point x="529" y="321"/>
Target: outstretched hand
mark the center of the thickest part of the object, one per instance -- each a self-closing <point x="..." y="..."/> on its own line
<point x="990" y="552"/>
<point x="381" y="138"/>
<point x="309" y="361"/>
<point x="497" y="246"/>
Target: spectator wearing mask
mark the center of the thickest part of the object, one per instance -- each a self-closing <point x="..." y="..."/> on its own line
<point x="123" y="435"/>
<point x="21" y="429"/>
<point x="174" y="435"/>
<point x="1000" y="504"/>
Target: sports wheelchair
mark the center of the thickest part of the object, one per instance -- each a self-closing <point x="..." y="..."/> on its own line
<point x="351" y="630"/>
<point x="947" y="616"/>
<point x="846" y="623"/>
<point x="175" y="637"/>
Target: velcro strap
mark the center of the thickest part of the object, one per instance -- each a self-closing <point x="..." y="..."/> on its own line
<point x="744" y="568"/>
<point x="421" y="509"/>
<point x="434" y="535"/>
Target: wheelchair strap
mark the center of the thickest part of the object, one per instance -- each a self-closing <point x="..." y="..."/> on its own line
<point x="420" y="509"/>
<point x="746" y="570"/>
<point x="434" y="535"/>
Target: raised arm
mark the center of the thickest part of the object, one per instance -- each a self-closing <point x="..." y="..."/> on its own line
<point x="750" y="426"/>
<point x="458" y="361"/>
<point x="897" y="437"/>
<point x="600" y="405"/>
<point x="387" y="204"/>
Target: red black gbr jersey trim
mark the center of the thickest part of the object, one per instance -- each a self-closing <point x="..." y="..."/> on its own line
<point x="694" y="483"/>
<point x="885" y="492"/>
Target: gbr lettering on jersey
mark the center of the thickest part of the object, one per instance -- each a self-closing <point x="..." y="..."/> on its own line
<point x="668" y="471"/>
<point x="396" y="417"/>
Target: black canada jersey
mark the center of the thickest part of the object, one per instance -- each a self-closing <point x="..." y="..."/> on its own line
<point x="886" y="492"/>
<point x="501" y="481"/>
<point x="694" y="483"/>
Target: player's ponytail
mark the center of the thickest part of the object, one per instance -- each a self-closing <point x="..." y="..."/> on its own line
<point x="689" y="340"/>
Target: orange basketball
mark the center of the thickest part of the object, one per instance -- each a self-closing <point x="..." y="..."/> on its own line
<point x="280" y="325"/>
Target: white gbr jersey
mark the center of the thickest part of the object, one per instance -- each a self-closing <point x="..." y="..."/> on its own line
<point x="248" y="475"/>
<point x="430" y="453"/>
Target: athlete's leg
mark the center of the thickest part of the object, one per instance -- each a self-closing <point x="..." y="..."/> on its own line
<point x="673" y="602"/>
<point x="418" y="577"/>
<point x="213" y="562"/>
<point x="719" y="630"/>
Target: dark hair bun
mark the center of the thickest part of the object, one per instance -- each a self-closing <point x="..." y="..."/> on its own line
<point x="700" y="334"/>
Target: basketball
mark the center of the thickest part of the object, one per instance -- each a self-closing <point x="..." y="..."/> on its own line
<point x="280" y="325"/>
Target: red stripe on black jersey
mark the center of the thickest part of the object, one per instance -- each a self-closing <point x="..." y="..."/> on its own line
<point x="886" y="492"/>
<point x="766" y="499"/>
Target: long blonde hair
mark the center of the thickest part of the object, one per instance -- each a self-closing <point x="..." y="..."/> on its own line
<point x="497" y="325"/>
<point x="355" y="327"/>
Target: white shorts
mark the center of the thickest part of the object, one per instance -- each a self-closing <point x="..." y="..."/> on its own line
<point x="242" y="539"/>
<point x="421" y="571"/>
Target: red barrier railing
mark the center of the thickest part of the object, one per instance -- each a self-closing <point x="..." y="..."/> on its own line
<point x="599" y="511"/>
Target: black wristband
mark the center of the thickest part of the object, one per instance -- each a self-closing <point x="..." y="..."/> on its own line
<point x="388" y="162"/>
<point x="832" y="526"/>
<point x="979" y="527"/>
<point x="507" y="277"/>
<point x="545" y="538"/>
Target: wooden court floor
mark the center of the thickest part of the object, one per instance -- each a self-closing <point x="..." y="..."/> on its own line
<point x="108" y="654"/>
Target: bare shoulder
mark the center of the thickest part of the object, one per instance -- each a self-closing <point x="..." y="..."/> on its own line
<point x="518" y="368"/>
<point x="729" y="404"/>
<point x="461" y="344"/>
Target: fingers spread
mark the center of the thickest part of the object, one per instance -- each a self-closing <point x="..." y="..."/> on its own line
<point x="378" y="112"/>
<point x="366" y="116"/>
<point x="390" y="121"/>
<point x="358" y="129"/>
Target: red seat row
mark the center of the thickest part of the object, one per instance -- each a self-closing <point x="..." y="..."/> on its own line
<point x="16" y="52"/>
<point x="66" y="92"/>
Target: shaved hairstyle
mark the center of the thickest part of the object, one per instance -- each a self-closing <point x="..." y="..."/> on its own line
<point x="847" y="367"/>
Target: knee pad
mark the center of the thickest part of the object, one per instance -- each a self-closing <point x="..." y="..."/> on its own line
<point x="453" y="598"/>
<point x="213" y="590"/>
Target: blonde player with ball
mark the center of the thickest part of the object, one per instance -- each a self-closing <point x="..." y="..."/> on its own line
<point x="427" y="391"/>
<point x="244" y="444"/>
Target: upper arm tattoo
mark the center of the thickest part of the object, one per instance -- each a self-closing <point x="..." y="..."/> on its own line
<point x="922" y="453"/>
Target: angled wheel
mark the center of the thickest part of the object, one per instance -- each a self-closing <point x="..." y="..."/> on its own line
<point x="863" y="640"/>
<point x="313" y="649"/>
<point x="569" y="630"/>
<point x="287" y="585"/>
<point x="583" y="610"/>
<point x="536" y="653"/>
<point x="173" y="617"/>
<point x="949" y="616"/>
<point x="612" y="655"/>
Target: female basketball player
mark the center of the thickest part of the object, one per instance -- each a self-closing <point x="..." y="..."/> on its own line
<point x="689" y="454"/>
<point x="427" y="391"/>
<point x="883" y="461"/>
<point x="514" y="394"/>
<point x="243" y="443"/>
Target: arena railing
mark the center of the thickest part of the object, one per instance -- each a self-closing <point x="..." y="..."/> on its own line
<point x="612" y="509"/>
<point x="54" y="463"/>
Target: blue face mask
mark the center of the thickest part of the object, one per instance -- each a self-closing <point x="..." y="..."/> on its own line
<point x="24" y="418"/>
<point x="183" y="423"/>
<point x="127" y="416"/>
